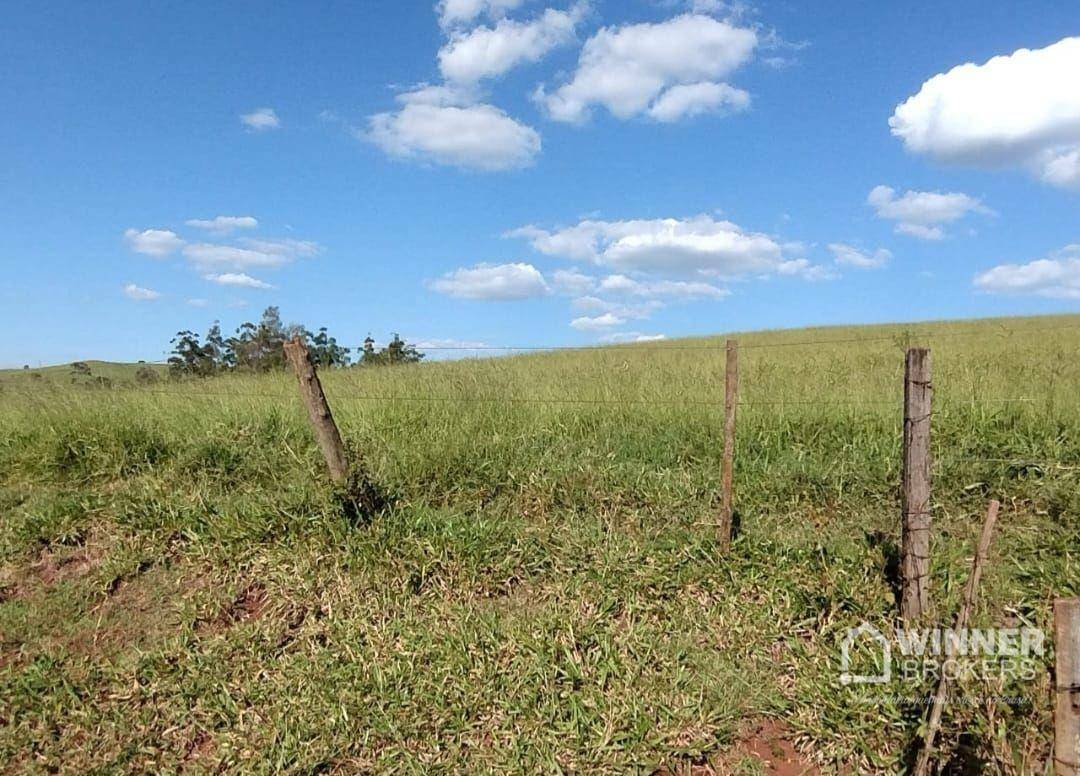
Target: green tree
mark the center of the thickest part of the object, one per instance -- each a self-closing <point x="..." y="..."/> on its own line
<point x="325" y="350"/>
<point x="397" y="352"/>
<point x="401" y="352"/>
<point x="260" y="347"/>
<point x="215" y="349"/>
<point x="368" y="356"/>
<point x="256" y="347"/>
<point x="189" y="357"/>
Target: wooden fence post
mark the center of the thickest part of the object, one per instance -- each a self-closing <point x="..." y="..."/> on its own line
<point x="915" y="543"/>
<point x="1067" y="687"/>
<point x="727" y="475"/>
<point x="326" y="431"/>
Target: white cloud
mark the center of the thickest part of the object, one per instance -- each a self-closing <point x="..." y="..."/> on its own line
<point x="628" y="69"/>
<point x="616" y="337"/>
<point x="440" y="125"/>
<point x="140" y="294"/>
<point x="1061" y="167"/>
<point x="198" y="302"/>
<point x="593" y="305"/>
<point x="485" y="52"/>
<point x="922" y="213"/>
<point x="460" y="12"/>
<point x="287" y="247"/>
<point x="667" y="246"/>
<point x="1056" y="277"/>
<point x="804" y="269"/>
<point x="260" y="120"/>
<point x="223" y="224"/>
<point x="1021" y="109"/>
<point x="153" y="242"/>
<point x="597" y="323"/>
<point x="254" y="253"/>
<point x="207" y="255"/>
<point x="921" y="232"/>
<point x="572" y="282"/>
<point x="240" y="279"/>
<point x="852" y="256"/>
<point x="679" y="289"/>
<point x="575" y="242"/>
<point x="687" y="100"/>
<point x="493" y="282"/>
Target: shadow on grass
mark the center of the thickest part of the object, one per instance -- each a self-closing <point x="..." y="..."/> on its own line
<point x="361" y="499"/>
<point x="890" y="559"/>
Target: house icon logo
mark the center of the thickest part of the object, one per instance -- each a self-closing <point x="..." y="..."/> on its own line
<point x="865" y="632"/>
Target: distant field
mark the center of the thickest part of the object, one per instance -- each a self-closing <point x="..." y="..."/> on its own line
<point x="64" y="373"/>
<point x="181" y="590"/>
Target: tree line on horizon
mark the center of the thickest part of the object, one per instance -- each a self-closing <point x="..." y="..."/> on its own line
<point x="260" y="347"/>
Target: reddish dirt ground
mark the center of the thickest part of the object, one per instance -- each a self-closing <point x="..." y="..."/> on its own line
<point x="770" y="742"/>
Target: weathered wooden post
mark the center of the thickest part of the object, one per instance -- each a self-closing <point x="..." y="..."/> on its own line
<point x="727" y="474"/>
<point x="915" y="541"/>
<point x="1067" y="687"/>
<point x="326" y="431"/>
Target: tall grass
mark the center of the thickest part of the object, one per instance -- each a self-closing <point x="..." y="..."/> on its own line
<point x="545" y="591"/>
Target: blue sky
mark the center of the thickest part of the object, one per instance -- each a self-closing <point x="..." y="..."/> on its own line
<point x="530" y="173"/>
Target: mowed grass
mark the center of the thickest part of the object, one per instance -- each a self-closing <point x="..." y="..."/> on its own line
<point x="182" y="590"/>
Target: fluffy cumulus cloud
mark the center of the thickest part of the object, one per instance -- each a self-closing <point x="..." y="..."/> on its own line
<point x="923" y="214"/>
<point x="287" y="247"/>
<point x="248" y="254"/>
<point x="662" y="246"/>
<point x="223" y="224"/>
<point x="140" y="294"/>
<point x="597" y="323"/>
<point x="617" y="337"/>
<point x="687" y="100"/>
<point x="453" y="13"/>
<point x="805" y="269"/>
<point x="1021" y="109"/>
<point x="260" y="120"/>
<point x="493" y="282"/>
<point x="220" y="262"/>
<point x="854" y="257"/>
<point x="668" y="70"/>
<point x="442" y="125"/>
<point x="153" y="242"/>
<point x="676" y="289"/>
<point x="1056" y="277"/>
<point x="241" y="279"/>
<point x="485" y="52"/>
<point x="637" y="310"/>
<point x="572" y="282"/>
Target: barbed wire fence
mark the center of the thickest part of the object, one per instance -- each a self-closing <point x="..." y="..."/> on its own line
<point x="902" y="338"/>
<point x="917" y="468"/>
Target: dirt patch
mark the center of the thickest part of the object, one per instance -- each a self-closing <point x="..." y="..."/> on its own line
<point x="770" y="742"/>
<point x="50" y="568"/>
<point x="136" y="612"/>
<point x="199" y="749"/>
<point x="248" y="605"/>
<point x="764" y="746"/>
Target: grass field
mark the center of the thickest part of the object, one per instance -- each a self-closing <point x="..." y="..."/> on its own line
<point x="181" y="591"/>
